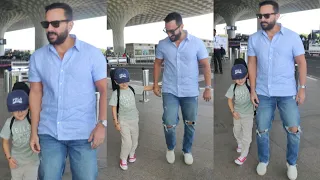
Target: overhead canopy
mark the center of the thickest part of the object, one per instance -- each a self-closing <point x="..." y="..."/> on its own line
<point x="246" y="9"/>
<point x="82" y="9"/>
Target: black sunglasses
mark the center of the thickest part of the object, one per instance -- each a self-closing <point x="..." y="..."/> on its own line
<point x="55" y="24"/>
<point x="266" y="16"/>
<point x="170" y="31"/>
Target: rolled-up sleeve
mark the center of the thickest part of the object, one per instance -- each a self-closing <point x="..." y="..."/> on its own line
<point x="251" y="51"/>
<point x="33" y="71"/>
<point x="202" y="52"/>
<point x="159" y="53"/>
<point x="99" y="70"/>
<point x="298" y="48"/>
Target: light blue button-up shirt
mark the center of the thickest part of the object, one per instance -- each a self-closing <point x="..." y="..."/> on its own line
<point x="68" y="103"/>
<point x="181" y="70"/>
<point x="275" y="61"/>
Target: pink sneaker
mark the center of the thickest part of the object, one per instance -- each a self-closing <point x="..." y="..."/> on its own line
<point x="240" y="160"/>
<point x="123" y="164"/>
<point x="133" y="158"/>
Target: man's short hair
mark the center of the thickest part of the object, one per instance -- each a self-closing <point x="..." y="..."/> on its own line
<point x="174" y="16"/>
<point x="67" y="9"/>
<point x="274" y="4"/>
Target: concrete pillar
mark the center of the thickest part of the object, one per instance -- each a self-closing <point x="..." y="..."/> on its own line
<point x="7" y="19"/>
<point x="230" y="21"/>
<point x="258" y="25"/>
<point x="2" y="31"/>
<point x="118" y="37"/>
<point x="40" y="33"/>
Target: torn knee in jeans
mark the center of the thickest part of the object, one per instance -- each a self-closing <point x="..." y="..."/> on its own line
<point x="293" y="129"/>
<point x="259" y="132"/>
<point x="190" y="122"/>
<point x="168" y="126"/>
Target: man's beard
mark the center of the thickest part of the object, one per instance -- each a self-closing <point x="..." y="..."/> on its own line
<point x="176" y="37"/>
<point x="269" y="25"/>
<point x="60" y="38"/>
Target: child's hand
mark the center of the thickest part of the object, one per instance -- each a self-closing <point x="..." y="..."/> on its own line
<point x="236" y="115"/>
<point x="118" y="127"/>
<point x="12" y="163"/>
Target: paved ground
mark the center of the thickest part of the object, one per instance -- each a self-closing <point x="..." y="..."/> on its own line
<point x="224" y="142"/>
<point x="151" y="162"/>
<point x="313" y="64"/>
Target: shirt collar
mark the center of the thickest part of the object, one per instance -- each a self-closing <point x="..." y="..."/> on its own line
<point x="76" y="43"/>
<point x="282" y="29"/>
<point x="188" y="37"/>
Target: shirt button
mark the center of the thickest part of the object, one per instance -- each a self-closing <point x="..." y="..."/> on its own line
<point x="60" y="83"/>
<point x="61" y="70"/>
<point x="58" y="122"/>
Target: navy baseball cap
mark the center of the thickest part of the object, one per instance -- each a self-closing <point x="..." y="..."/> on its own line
<point x="17" y="100"/>
<point x="121" y="75"/>
<point x="238" y="71"/>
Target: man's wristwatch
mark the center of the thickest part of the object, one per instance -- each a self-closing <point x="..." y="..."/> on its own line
<point x="208" y="87"/>
<point x="303" y="86"/>
<point x="104" y="122"/>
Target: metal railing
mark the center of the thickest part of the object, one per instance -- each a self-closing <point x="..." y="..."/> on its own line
<point x="19" y="73"/>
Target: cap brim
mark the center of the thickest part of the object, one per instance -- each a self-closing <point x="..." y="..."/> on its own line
<point x="20" y="107"/>
<point x="122" y="81"/>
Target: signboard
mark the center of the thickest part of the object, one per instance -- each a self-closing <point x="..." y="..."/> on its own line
<point x="3" y="41"/>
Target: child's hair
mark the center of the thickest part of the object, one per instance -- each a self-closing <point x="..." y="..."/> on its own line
<point x="21" y="86"/>
<point x="240" y="61"/>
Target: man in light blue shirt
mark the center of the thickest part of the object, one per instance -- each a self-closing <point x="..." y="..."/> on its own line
<point x="64" y="76"/>
<point x="181" y="54"/>
<point x="273" y="53"/>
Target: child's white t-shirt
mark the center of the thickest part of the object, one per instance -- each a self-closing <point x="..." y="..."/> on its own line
<point x="127" y="104"/>
<point x="242" y="101"/>
<point x="20" y="150"/>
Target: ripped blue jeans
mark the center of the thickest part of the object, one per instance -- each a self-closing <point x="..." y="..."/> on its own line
<point x="170" y="118"/>
<point x="290" y="117"/>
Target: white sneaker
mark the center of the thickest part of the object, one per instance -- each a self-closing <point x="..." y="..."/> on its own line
<point x="170" y="156"/>
<point x="292" y="172"/>
<point x="262" y="168"/>
<point x="240" y="160"/>
<point x="239" y="149"/>
<point x="188" y="159"/>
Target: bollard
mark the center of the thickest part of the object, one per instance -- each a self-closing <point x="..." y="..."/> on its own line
<point x="296" y="75"/>
<point x="145" y="82"/>
<point x="237" y="53"/>
<point x="230" y="54"/>
<point x="97" y="104"/>
<point x="246" y="56"/>
<point x="6" y="83"/>
<point x="112" y="70"/>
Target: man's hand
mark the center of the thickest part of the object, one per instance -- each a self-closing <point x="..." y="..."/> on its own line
<point x="254" y="99"/>
<point x="34" y="143"/>
<point x="12" y="163"/>
<point x="301" y="96"/>
<point x="97" y="136"/>
<point x="236" y="115"/>
<point x="207" y="94"/>
<point x="157" y="90"/>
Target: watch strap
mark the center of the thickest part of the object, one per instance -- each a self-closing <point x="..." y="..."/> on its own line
<point x="104" y="122"/>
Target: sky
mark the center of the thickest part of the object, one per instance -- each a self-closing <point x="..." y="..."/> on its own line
<point x="94" y="31"/>
<point x="300" y="22"/>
